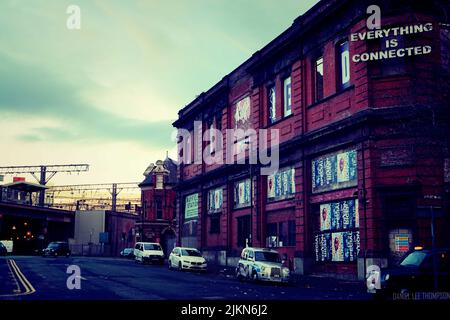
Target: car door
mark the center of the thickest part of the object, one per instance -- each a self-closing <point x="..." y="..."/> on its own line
<point x="250" y="260"/>
<point x="175" y="257"/>
<point x="137" y="253"/>
<point x="241" y="263"/>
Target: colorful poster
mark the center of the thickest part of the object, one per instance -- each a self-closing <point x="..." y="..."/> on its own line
<point x="334" y="171"/>
<point x="242" y="114"/>
<point x="356" y="213"/>
<point x="352" y="165"/>
<point x="337" y="243"/>
<point x="281" y="184"/>
<point x="191" y="206"/>
<point x="271" y="186"/>
<point x="323" y="247"/>
<point x="343" y="215"/>
<point x="342" y="167"/>
<point x="215" y="200"/>
<point x="336" y="219"/>
<point x="337" y="247"/>
<point x="242" y="193"/>
<point x="325" y="217"/>
<point x="402" y="242"/>
<point x="347" y="216"/>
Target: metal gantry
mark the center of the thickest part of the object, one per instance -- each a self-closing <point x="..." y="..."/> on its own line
<point x="46" y="172"/>
<point x="77" y="195"/>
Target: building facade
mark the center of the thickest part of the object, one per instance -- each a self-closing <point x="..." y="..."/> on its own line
<point x="158" y="215"/>
<point x="362" y="122"/>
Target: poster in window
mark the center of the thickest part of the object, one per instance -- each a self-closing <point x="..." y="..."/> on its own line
<point x="242" y="114"/>
<point x="329" y="170"/>
<point x="347" y="216"/>
<point x="336" y="218"/>
<point x="323" y="247"/>
<point x="352" y="165"/>
<point x="342" y="167"/>
<point x="337" y="243"/>
<point x="242" y="193"/>
<point x="215" y="200"/>
<point x="349" y="251"/>
<point x="334" y="171"/>
<point x="191" y="206"/>
<point x="271" y="186"/>
<point x="356" y="244"/>
<point x="325" y="217"/>
<point x="281" y="184"/>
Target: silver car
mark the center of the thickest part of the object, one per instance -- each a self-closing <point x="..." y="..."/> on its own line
<point x="261" y="265"/>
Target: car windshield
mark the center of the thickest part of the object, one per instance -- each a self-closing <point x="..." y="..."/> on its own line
<point x="149" y="246"/>
<point x="192" y="253"/>
<point x="267" y="256"/>
<point x="53" y="245"/>
<point x="414" y="259"/>
<point x="127" y="250"/>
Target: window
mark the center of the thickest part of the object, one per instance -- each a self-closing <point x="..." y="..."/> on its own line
<point x="243" y="224"/>
<point x="215" y="200"/>
<point x="281" y="185"/>
<point x="318" y="79"/>
<point x="242" y="194"/>
<point x="214" y="224"/>
<point x="287" y="96"/>
<point x="281" y="234"/>
<point x="337" y="231"/>
<point x="159" y="181"/>
<point x="159" y="211"/>
<point x="271" y="102"/>
<point x="344" y="65"/>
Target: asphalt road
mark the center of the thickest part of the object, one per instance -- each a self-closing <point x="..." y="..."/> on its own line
<point x="37" y="278"/>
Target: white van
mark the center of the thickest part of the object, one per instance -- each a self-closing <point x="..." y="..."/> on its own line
<point x="148" y="252"/>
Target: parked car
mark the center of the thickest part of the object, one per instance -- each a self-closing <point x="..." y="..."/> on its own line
<point x="261" y="264"/>
<point x="182" y="258"/>
<point x="58" y="248"/>
<point x="148" y="252"/>
<point x="127" y="253"/>
<point x="8" y="245"/>
<point x="3" y="250"/>
<point x="415" y="273"/>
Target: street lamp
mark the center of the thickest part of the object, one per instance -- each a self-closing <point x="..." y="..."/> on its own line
<point x="433" y="238"/>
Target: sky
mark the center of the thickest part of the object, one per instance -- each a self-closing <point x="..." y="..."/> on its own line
<point x="107" y="93"/>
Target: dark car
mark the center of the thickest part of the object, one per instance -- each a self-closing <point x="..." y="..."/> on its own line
<point x="55" y="249"/>
<point x="3" y="250"/>
<point x="416" y="273"/>
<point x="127" y="253"/>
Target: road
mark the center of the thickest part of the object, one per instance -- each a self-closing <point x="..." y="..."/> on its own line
<point x="37" y="278"/>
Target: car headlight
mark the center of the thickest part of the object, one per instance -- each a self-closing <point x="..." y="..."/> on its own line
<point x="263" y="268"/>
<point x="386" y="277"/>
<point x="286" y="271"/>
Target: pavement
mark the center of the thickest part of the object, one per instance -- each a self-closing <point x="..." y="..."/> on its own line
<point x="38" y="278"/>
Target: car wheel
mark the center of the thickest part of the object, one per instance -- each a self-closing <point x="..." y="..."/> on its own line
<point x="169" y="264"/>
<point x="180" y="266"/>
<point x="255" y="276"/>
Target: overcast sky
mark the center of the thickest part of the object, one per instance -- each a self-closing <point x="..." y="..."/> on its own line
<point x="106" y="94"/>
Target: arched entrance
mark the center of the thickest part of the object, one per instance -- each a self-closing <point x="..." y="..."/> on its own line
<point x="168" y="240"/>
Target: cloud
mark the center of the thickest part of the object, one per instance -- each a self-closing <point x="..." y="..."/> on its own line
<point x="31" y="91"/>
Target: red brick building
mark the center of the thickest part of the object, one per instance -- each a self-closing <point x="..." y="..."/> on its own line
<point x="364" y="145"/>
<point x="158" y="215"/>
